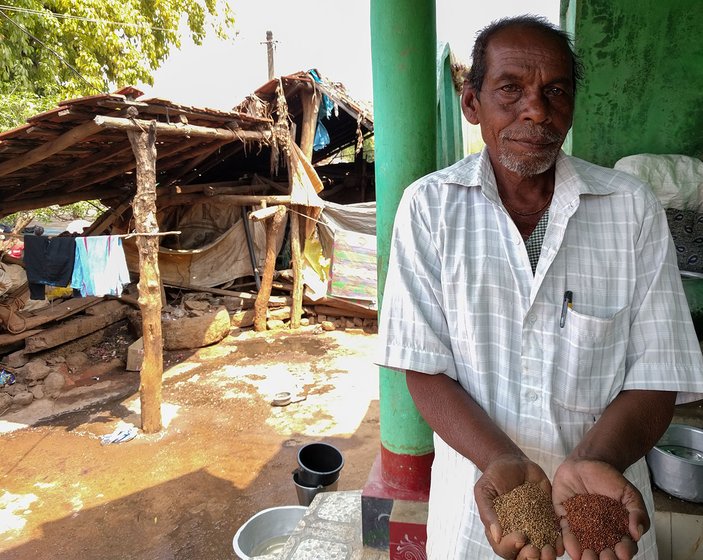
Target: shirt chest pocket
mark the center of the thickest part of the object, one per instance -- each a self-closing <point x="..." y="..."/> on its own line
<point x="590" y="361"/>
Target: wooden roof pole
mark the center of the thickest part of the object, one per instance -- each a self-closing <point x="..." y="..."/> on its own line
<point x="180" y="129"/>
<point x="144" y="208"/>
<point x="44" y="151"/>
<point x="311" y="107"/>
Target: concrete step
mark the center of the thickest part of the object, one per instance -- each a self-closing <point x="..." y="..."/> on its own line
<point x="329" y="530"/>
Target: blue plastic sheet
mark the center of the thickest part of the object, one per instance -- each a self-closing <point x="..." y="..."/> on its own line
<point x="322" y="137"/>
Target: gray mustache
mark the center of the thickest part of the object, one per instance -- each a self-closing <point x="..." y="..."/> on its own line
<point x="531" y="134"/>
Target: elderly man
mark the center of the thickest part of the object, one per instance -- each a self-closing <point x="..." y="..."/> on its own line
<point x="537" y="310"/>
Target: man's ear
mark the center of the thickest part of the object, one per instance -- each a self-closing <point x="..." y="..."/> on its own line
<point x="470" y="103"/>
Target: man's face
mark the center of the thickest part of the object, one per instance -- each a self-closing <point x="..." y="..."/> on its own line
<point x="526" y="104"/>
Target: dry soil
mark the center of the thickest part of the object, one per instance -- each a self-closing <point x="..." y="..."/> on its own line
<point x="224" y="453"/>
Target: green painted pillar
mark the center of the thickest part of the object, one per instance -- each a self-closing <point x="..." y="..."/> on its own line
<point x="403" y="51"/>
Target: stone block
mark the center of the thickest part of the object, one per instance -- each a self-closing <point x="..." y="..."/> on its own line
<point x="135" y="355"/>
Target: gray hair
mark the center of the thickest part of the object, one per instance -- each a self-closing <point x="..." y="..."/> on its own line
<point x="479" y="66"/>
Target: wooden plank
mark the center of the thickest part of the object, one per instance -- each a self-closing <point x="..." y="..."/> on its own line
<point x="247" y="298"/>
<point x="46" y="315"/>
<point x="179" y="129"/>
<point x="8" y="339"/>
<point x="97" y="317"/>
<point x="345" y="311"/>
<point x="44" y="151"/>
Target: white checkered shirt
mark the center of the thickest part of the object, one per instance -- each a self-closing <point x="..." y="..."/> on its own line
<point x="461" y="300"/>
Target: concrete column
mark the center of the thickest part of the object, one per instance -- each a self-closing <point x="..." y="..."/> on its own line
<point x="404" y="44"/>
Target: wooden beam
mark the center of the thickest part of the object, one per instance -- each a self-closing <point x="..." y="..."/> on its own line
<point x="201" y="187"/>
<point x="104" y="313"/>
<point x="193" y="164"/>
<point x="241" y="189"/>
<point x="144" y="207"/>
<point x="121" y="169"/>
<point x="71" y="169"/>
<point x="215" y="159"/>
<point x="60" y="199"/>
<point x="67" y="139"/>
<point x="250" y="199"/>
<point x="107" y="218"/>
<point x="263" y="213"/>
<point x="40" y="317"/>
<point x="245" y="296"/>
<point x="178" y="129"/>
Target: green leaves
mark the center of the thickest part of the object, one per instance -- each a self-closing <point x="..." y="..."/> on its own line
<point x="16" y="107"/>
<point x="82" y="47"/>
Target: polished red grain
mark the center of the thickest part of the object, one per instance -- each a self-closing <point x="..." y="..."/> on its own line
<point x="598" y="522"/>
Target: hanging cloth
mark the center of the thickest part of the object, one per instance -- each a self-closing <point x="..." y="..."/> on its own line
<point x="48" y="262"/>
<point x="322" y="137"/>
<point x="100" y="266"/>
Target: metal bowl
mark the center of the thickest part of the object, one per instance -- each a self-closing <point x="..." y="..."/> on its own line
<point x="267" y="531"/>
<point x="281" y="399"/>
<point x="676" y="462"/>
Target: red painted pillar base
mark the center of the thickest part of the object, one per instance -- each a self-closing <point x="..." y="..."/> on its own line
<point x="408" y="530"/>
<point x="407" y="472"/>
<point x="383" y="489"/>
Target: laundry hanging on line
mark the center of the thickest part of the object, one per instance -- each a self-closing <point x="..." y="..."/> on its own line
<point x="100" y="266"/>
<point x="48" y="261"/>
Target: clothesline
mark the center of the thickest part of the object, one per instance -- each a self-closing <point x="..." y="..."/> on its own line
<point x="124" y="235"/>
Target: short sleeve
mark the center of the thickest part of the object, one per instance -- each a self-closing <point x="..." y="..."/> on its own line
<point x="413" y="332"/>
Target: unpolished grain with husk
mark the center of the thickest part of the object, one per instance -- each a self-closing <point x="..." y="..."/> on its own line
<point x="597" y="521"/>
<point x="528" y="509"/>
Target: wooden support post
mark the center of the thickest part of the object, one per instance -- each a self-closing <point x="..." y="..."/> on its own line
<point x="310" y="100"/>
<point x="297" y="265"/>
<point x="273" y="225"/>
<point x="144" y="208"/>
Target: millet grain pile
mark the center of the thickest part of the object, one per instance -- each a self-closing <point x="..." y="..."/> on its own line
<point x="598" y="522"/>
<point x="529" y="509"/>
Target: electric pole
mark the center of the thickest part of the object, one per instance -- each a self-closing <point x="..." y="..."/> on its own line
<point x="269" y="51"/>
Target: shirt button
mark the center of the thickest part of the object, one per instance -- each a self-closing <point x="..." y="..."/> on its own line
<point x="531" y="395"/>
<point x="532" y="318"/>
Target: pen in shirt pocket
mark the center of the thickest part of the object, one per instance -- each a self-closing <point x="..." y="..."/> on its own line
<point x="566" y="304"/>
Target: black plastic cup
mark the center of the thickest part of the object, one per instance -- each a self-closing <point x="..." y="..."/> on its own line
<point x="319" y="464"/>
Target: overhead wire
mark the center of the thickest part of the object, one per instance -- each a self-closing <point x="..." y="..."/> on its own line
<point x="47" y="13"/>
<point x="52" y="51"/>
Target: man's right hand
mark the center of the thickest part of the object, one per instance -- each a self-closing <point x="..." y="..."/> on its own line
<point x="503" y="474"/>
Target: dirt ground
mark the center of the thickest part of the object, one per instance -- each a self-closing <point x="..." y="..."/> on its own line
<point x="224" y="453"/>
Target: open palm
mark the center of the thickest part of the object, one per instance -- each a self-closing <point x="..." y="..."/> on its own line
<point x="597" y="477"/>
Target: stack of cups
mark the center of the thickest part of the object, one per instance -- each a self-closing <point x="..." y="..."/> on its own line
<point x="318" y="470"/>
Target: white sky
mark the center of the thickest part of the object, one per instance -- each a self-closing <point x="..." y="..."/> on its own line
<point x="330" y="35"/>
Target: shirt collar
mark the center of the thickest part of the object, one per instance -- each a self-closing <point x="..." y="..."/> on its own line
<point x="572" y="178"/>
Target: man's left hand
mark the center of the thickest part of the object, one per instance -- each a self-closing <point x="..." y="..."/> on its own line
<point x="587" y="476"/>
